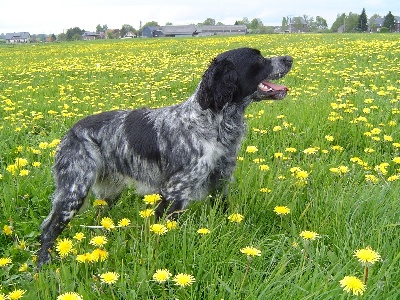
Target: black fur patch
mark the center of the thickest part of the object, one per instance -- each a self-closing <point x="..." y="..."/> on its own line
<point x="141" y="134"/>
<point x="95" y="122"/>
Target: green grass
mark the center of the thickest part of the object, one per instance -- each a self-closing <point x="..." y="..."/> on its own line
<point x="44" y="89"/>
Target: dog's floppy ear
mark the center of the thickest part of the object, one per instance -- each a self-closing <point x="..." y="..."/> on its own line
<point x="219" y="85"/>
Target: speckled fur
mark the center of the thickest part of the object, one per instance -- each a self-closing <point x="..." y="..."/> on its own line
<point x="183" y="152"/>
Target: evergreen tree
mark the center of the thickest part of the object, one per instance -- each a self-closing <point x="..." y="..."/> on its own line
<point x="363" y="21"/>
<point x="388" y="22"/>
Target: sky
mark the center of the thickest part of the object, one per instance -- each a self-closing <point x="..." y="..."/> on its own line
<point x="56" y="16"/>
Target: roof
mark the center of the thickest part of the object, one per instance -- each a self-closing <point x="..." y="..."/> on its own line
<point x="88" y="33"/>
<point x="183" y="29"/>
<point x="17" y="35"/>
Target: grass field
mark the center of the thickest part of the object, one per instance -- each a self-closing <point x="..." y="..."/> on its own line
<point x="329" y="152"/>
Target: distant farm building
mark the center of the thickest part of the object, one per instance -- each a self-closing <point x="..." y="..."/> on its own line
<point x="17" y="37"/>
<point x="192" y="30"/>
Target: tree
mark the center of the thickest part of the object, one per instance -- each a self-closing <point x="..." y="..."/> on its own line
<point x="73" y="33"/>
<point x="350" y="22"/>
<point x="62" y="37"/>
<point x="320" y="23"/>
<point x="125" y="29"/>
<point x="209" y="21"/>
<point x="101" y="28"/>
<point x="362" y="21"/>
<point x="285" y="23"/>
<point x="388" y="22"/>
<point x="373" y="22"/>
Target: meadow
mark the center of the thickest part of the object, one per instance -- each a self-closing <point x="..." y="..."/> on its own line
<point x="313" y="212"/>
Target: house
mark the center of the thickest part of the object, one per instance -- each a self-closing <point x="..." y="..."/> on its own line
<point x="192" y="30"/>
<point x="297" y="25"/>
<point x="129" y="35"/>
<point x="17" y="37"/>
<point x="87" y="36"/>
<point x="378" y="24"/>
<point x="222" y="29"/>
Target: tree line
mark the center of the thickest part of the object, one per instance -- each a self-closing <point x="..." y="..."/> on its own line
<point x="350" y="22"/>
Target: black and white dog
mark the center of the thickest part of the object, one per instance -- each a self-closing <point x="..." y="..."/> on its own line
<point x="182" y="152"/>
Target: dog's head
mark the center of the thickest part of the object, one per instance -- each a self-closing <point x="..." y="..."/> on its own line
<point x="242" y="73"/>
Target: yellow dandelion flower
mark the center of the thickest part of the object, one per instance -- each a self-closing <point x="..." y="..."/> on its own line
<point x="7" y="230"/>
<point x="291" y="150"/>
<point x="12" y="169"/>
<point x="158" y="229"/>
<point x="64" y="247"/>
<point x="152" y="199"/>
<point x="282" y="210"/>
<point x="4" y="261"/>
<point x="23" y="172"/>
<point x="329" y="138"/>
<point x="15" y="295"/>
<point x="107" y="223"/>
<point x="161" y="275"/>
<point x="100" y="202"/>
<point x="98" y="255"/>
<point x="2" y="296"/>
<point x="21" y="162"/>
<point x="367" y="255"/>
<point x="235" y="218"/>
<point x="146" y="213"/>
<point x="86" y="257"/>
<point x="98" y="241"/>
<point x="79" y="236"/>
<point x="264" y="167"/>
<point x="311" y="150"/>
<point x="171" y="224"/>
<point x="277" y="128"/>
<point x="69" y="296"/>
<point x="371" y="178"/>
<point x="23" y="267"/>
<point x="309" y="235"/>
<point x="250" y="251"/>
<point x="109" y="277"/>
<point x="203" y="231"/>
<point x="265" y="190"/>
<point x="278" y="155"/>
<point x="124" y="222"/>
<point x="183" y="280"/>
<point x="337" y="148"/>
<point x="251" y="149"/>
<point x="396" y="160"/>
<point x="36" y="164"/>
<point x="352" y="284"/>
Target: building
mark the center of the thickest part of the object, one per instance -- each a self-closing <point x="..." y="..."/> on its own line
<point x="17" y="38"/>
<point x="378" y="24"/>
<point x="88" y="36"/>
<point x="297" y="25"/>
<point x="192" y="30"/>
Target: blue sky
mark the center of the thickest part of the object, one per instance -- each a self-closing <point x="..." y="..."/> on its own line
<point x="56" y="16"/>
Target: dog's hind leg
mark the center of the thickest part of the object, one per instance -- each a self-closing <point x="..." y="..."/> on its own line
<point x="72" y="187"/>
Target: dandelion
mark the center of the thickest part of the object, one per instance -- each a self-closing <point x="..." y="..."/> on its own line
<point x="124" y="222"/>
<point x="152" y="199"/>
<point x="7" y="230"/>
<point x="265" y="190"/>
<point x="203" y="231"/>
<point x="250" y="251"/>
<point x="2" y="296"/>
<point x="100" y="202"/>
<point x="79" y="236"/>
<point x="281" y="210"/>
<point x="278" y="155"/>
<point x="367" y="257"/>
<point x="23" y="267"/>
<point x="15" y="295"/>
<point x="109" y="277"/>
<point x="64" y="247"/>
<point x="146" y="213"/>
<point x="158" y="229"/>
<point x="309" y="235"/>
<point x="36" y="164"/>
<point x="183" y="280"/>
<point x="371" y="178"/>
<point x="277" y="128"/>
<point x="235" y="218"/>
<point x="329" y="138"/>
<point x="23" y="172"/>
<point x="171" y="224"/>
<point x="107" y="223"/>
<point x="264" y="167"/>
<point x="21" y="162"/>
<point x="98" y="255"/>
<point x="69" y="296"/>
<point x="251" y="149"/>
<point x="396" y="160"/>
<point x="161" y="275"/>
<point x="4" y="261"/>
<point x="82" y="258"/>
<point x="352" y="284"/>
<point x="291" y="150"/>
<point x="311" y="150"/>
<point x="98" y="241"/>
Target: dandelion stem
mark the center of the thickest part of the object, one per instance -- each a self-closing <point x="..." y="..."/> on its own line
<point x="365" y="274"/>
<point x="245" y="273"/>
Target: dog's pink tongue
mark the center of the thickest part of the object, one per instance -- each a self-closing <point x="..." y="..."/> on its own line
<point x="269" y="85"/>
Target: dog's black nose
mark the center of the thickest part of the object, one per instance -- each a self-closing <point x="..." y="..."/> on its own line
<point x="288" y="60"/>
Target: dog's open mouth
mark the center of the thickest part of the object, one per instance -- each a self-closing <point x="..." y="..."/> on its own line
<point x="269" y="90"/>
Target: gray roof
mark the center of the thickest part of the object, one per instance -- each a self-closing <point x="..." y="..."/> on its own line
<point x="183" y="29"/>
<point x="17" y="35"/>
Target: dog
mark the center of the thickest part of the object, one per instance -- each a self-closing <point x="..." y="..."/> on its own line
<point x="183" y="152"/>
